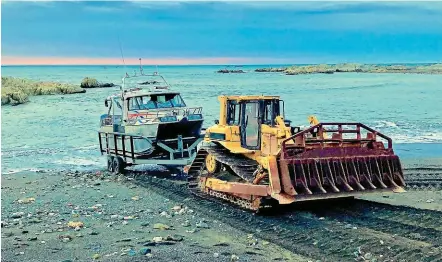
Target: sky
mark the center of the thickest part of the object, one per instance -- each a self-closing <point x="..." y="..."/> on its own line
<point x="246" y="32"/>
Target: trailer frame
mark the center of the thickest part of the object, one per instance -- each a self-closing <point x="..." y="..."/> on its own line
<point x="130" y="157"/>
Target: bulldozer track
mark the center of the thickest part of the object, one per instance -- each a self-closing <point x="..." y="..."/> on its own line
<point x="346" y="232"/>
<point x="416" y="178"/>
<point x="415" y="224"/>
<point x="241" y="165"/>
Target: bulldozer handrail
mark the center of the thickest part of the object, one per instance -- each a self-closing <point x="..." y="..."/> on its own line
<point x="322" y="130"/>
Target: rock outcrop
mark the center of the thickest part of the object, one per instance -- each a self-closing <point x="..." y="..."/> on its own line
<point x="227" y="71"/>
<point x="89" y="82"/>
<point x="16" y="91"/>
<point x="355" y="68"/>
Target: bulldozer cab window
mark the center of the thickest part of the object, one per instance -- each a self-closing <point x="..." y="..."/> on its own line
<point x="271" y="111"/>
<point x="233" y="113"/>
<point x="250" y="127"/>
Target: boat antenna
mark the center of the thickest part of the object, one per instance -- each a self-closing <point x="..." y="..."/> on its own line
<point x="141" y="68"/>
<point x="122" y="57"/>
<point x="156" y="69"/>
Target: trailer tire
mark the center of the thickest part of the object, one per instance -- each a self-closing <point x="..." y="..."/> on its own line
<point x="118" y="165"/>
<point x="110" y="167"/>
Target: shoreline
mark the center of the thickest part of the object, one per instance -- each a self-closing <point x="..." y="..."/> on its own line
<point x="124" y="221"/>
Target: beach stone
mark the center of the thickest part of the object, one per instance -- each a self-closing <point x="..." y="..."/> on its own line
<point x="131" y="252"/>
<point x="32" y="238"/>
<point x="125" y="240"/>
<point x="17" y="214"/>
<point x="176" y="238"/>
<point x="145" y="224"/>
<point x="157" y="239"/>
<point x="222" y="244"/>
<point x="186" y="223"/>
<point x="161" y="226"/>
<point x="144" y="251"/>
<point x="149" y="243"/>
<point x="368" y="256"/>
<point x="168" y="243"/>
<point x="176" y="208"/>
<point x="202" y="224"/>
<point x="8" y="234"/>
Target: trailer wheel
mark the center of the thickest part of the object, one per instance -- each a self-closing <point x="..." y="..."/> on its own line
<point x="118" y="165"/>
<point x="110" y="167"/>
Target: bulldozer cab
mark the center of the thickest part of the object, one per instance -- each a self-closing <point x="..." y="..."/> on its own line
<point x="250" y="115"/>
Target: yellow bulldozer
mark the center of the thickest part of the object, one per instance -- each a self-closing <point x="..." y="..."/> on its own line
<point x="254" y="158"/>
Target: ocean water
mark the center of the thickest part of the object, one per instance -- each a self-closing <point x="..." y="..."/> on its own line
<point x="59" y="132"/>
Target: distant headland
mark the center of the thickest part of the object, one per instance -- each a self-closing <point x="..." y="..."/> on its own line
<point x="354" y="68"/>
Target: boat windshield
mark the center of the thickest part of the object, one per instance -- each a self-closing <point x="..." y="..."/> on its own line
<point x="156" y="101"/>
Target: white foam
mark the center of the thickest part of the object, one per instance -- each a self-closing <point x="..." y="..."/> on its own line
<point x="80" y="161"/>
<point x="18" y="170"/>
<point x="87" y="147"/>
<point x="413" y="138"/>
<point x="384" y="123"/>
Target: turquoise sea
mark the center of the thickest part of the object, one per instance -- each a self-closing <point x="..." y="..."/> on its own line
<point x="60" y="132"/>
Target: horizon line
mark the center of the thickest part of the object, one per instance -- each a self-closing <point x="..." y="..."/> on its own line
<point x="175" y="61"/>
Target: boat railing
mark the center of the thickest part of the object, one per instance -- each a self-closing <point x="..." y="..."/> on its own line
<point x="170" y="111"/>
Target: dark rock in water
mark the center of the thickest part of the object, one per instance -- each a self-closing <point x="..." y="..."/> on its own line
<point x="89" y="82"/>
<point x="271" y="69"/>
<point x="32" y="239"/>
<point x="226" y="71"/>
<point x="144" y="251"/>
<point x="106" y="85"/>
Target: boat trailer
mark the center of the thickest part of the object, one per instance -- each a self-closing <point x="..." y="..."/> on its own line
<point x="121" y="151"/>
